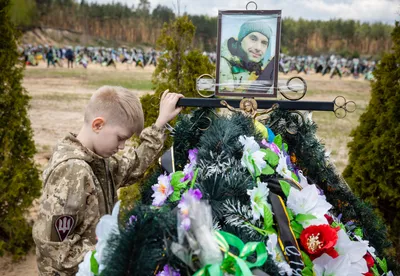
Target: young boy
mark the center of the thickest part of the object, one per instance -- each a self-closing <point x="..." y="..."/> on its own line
<point x="81" y="180"/>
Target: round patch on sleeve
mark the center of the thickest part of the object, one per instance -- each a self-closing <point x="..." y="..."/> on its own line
<point x="62" y="226"/>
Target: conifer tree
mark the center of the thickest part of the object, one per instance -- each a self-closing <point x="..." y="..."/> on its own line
<point x="19" y="179"/>
<point x="178" y="67"/>
<point x="177" y="70"/>
<point x="374" y="161"/>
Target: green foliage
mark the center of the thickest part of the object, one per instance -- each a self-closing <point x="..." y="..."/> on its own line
<point x="177" y="70"/>
<point x="178" y="67"/>
<point x="374" y="161"/>
<point x="23" y="12"/>
<point x="144" y="247"/>
<point x="19" y="178"/>
<point x="297" y="34"/>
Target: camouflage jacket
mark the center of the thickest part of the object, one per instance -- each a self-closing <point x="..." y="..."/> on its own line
<point x="78" y="188"/>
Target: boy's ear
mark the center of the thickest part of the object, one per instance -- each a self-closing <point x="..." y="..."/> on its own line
<point x="97" y="124"/>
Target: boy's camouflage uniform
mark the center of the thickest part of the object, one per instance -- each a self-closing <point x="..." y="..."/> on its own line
<point x="78" y="188"/>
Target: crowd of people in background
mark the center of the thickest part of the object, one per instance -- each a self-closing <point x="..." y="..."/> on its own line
<point x="83" y="56"/>
<point x="332" y="65"/>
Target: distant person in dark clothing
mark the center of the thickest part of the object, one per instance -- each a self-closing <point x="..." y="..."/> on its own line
<point x="50" y="57"/>
<point x="69" y="54"/>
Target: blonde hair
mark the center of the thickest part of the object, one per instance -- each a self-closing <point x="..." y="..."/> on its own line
<point x="117" y="105"/>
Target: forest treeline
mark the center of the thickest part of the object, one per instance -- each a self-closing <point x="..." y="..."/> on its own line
<point x="142" y="25"/>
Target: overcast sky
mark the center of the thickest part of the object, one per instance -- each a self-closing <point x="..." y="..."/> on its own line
<point x="364" y="10"/>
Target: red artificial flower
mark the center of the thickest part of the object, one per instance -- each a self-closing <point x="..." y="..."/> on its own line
<point x="319" y="239"/>
<point x="368" y="274"/>
<point x="369" y="259"/>
<point x="328" y="218"/>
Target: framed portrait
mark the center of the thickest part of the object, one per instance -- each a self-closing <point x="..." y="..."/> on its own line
<point x="248" y="53"/>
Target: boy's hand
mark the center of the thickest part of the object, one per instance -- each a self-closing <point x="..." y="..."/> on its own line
<point x="168" y="109"/>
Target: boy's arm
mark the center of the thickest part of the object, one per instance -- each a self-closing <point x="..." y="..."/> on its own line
<point x="68" y="210"/>
<point x="133" y="165"/>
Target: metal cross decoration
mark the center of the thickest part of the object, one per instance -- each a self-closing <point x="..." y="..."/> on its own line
<point x="294" y="89"/>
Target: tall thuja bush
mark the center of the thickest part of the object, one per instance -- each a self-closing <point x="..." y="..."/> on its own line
<point x="178" y="67"/>
<point x="19" y="178"/>
<point x="177" y="70"/>
<point x="374" y="161"/>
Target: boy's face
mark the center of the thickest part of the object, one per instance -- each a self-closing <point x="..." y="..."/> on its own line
<point x="109" y="139"/>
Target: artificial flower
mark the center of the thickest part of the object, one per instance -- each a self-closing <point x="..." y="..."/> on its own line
<point x="168" y="271"/>
<point x="107" y="226"/>
<point x="258" y="198"/>
<point x="277" y="256"/>
<point x="369" y="259"/>
<point x="272" y="146"/>
<point x="85" y="266"/>
<point x="252" y="156"/>
<point x="302" y="179"/>
<point x="193" y="156"/>
<point x="162" y="190"/>
<point x="132" y="220"/>
<point x="184" y="206"/>
<point x="319" y="239"/>
<point x="354" y="249"/>
<point x="329" y="219"/>
<point x="326" y="265"/>
<point x="282" y="168"/>
<point x="188" y="170"/>
<point x="309" y="201"/>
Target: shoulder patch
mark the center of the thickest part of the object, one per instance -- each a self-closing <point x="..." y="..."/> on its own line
<point x="62" y="226"/>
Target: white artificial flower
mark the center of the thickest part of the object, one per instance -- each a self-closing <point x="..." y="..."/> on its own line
<point x="251" y="152"/>
<point x="249" y="144"/>
<point x="326" y="265"/>
<point x="370" y="249"/>
<point x="84" y="267"/>
<point x="107" y="226"/>
<point x="355" y="250"/>
<point x="282" y="168"/>
<point x="277" y="256"/>
<point x="302" y="179"/>
<point x="258" y="198"/>
<point x="309" y="201"/>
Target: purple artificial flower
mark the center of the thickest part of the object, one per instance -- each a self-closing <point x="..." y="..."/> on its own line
<point x="193" y="156"/>
<point x="184" y="205"/>
<point x="162" y="190"/>
<point x="188" y="170"/>
<point x="271" y="146"/>
<point x="289" y="163"/>
<point x="168" y="271"/>
<point x="132" y="219"/>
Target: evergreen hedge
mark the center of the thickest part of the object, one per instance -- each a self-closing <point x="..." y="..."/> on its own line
<point x="374" y="161"/>
<point x="19" y="177"/>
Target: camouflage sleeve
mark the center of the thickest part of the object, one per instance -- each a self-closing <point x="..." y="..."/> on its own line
<point x="131" y="166"/>
<point x="68" y="207"/>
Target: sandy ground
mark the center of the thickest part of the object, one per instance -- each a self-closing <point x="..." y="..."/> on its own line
<point x="57" y="108"/>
